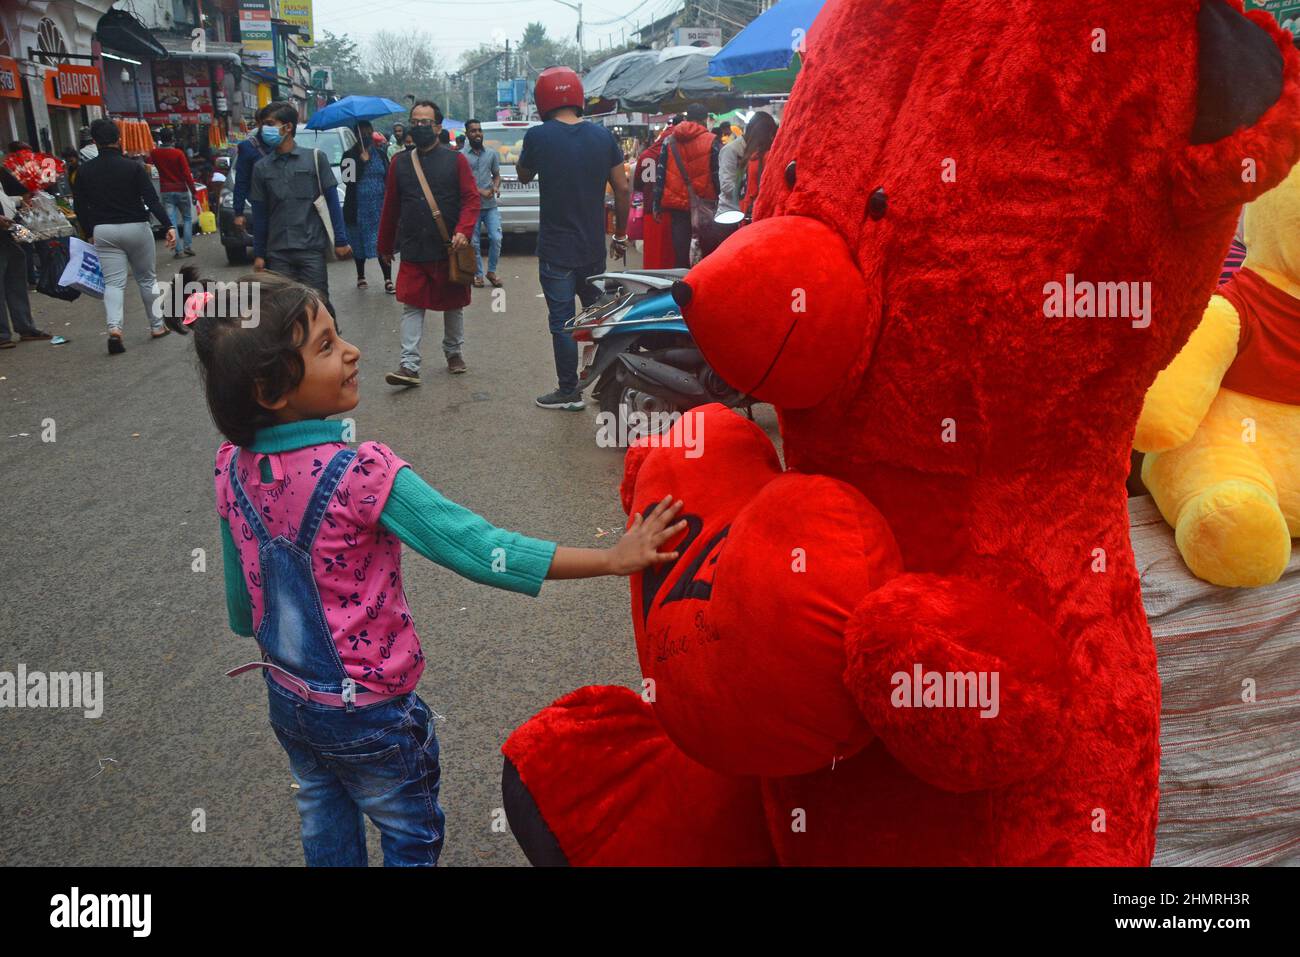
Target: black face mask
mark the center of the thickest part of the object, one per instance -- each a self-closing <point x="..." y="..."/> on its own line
<point x="424" y="136"/>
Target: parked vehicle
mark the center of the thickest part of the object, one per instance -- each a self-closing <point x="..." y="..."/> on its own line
<point x="520" y="204"/>
<point x="638" y="356"/>
<point x="239" y="243"/>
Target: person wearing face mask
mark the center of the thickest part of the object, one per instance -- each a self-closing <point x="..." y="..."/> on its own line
<point x="408" y="228"/>
<point x="364" y="200"/>
<point x="289" y="235"/>
<point x="249" y="152"/>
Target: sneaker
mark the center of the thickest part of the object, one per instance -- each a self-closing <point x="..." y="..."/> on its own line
<point x="116" y="346"/>
<point x="569" y="401"/>
<point x="456" y="364"/>
<point x="403" y="376"/>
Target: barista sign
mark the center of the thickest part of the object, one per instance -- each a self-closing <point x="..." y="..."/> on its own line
<point x="78" y="85"/>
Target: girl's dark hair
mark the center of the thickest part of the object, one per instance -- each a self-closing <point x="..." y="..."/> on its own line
<point x="236" y="360"/>
<point x="759" y="134"/>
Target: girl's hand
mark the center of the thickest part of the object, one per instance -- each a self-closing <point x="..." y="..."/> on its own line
<point x="639" y="546"/>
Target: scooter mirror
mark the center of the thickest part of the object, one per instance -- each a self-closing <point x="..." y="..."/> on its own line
<point x="729" y="217"/>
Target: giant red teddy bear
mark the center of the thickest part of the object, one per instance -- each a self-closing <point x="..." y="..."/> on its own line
<point x="922" y="642"/>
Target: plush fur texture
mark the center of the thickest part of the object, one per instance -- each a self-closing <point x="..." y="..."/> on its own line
<point x="912" y="361"/>
<point x="1234" y="504"/>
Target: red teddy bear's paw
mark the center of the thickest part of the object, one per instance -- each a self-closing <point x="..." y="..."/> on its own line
<point x="593" y="780"/>
<point x="966" y="687"/>
<point x="743" y="634"/>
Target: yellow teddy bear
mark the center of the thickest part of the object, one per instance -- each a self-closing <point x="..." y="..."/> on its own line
<point x="1221" y="424"/>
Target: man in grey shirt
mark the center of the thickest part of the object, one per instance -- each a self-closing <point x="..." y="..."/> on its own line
<point x="289" y="235"/>
<point x="485" y="164"/>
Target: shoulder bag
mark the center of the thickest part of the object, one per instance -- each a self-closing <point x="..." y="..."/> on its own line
<point x="322" y="206"/>
<point x="461" y="261"/>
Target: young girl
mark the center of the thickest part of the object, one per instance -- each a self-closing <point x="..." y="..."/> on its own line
<point x="312" y="531"/>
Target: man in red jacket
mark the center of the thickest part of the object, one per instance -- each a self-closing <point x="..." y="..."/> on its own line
<point x="407" y="228"/>
<point x="689" y="145"/>
<point x="176" y="184"/>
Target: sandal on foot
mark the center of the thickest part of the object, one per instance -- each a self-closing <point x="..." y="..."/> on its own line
<point x="362" y="284"/>
<point x="478" y="282"/>
<point x="159" y="335"/>
<point x="496" y="283"/>
<point x="389" y="287"/>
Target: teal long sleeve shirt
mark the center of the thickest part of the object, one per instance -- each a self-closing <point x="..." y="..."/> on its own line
<point x="431" y="524"/>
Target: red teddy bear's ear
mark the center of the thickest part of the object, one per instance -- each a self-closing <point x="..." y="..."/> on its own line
<point x="1246" y="134"/>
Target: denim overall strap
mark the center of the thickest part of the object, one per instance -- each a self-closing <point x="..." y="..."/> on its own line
<point x="320" y="498"/>
<point x="294" y="634"/>
<point x="250" y="516"/>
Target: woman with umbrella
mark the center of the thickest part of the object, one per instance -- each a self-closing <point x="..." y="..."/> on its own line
<point x="364" y="200"/>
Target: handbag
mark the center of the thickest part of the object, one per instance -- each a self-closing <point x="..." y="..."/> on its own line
<point x="462" y="264"/>
<point x="322" y="207"/>
<point x="51" y="262"/>
<point x="702" y="210"/>
<point x="83" y="272"/>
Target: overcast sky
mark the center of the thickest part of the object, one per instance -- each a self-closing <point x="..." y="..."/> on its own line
<point x="460" y="25"/>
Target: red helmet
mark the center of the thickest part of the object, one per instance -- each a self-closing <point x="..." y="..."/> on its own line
<point x="557" y="86"/>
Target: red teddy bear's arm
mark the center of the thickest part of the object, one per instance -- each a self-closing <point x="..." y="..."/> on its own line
<point x="965" y="686"/>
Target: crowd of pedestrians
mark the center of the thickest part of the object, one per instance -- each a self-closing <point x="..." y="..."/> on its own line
<point x="420" y="196"/>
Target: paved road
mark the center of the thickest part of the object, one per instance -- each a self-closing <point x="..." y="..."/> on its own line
<point x="97" y="536"/>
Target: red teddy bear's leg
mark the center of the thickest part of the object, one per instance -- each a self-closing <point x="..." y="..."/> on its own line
<point x="593" y="780"/>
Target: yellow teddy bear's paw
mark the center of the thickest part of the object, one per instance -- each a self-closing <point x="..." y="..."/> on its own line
<point x="1234" y="534"/>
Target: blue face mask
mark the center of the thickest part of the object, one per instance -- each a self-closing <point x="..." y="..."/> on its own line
<point x="271" y="135"/>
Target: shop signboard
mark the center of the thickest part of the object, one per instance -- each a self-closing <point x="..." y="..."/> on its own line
<point x="298" y="12"/>
<point x="1285" y="12"/>
<point x="183" y="86"/>
<point x="255" y="32"/>
<point x="698" y="36"/>
<point x="9" y="78"/>
<point x="79" y="85"/>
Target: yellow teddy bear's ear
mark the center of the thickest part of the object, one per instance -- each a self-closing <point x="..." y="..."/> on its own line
<point x="1272" y="230"/>
<point x="1181" y="395"/>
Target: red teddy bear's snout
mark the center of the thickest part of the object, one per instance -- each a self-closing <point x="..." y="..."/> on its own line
<point x="780" y="310"/>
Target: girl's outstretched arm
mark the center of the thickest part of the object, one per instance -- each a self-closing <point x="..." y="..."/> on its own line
<point x="637" y="549"/>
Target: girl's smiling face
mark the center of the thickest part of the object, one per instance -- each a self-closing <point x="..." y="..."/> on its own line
<point x="329" y="379"/>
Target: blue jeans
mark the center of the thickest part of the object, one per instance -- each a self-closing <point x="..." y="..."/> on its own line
<point x="182" y="213"/>
<point x="560" y="284"/>
<point x="491" y="218"/>
<point x="380" y="761"/>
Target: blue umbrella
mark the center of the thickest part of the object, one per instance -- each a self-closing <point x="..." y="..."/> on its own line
<point x="351" y="110"/>
<point x="769" y="42"/>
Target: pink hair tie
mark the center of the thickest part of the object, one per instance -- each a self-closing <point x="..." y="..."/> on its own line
<point x="195" y="305"/>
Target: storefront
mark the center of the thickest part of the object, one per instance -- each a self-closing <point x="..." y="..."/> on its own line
<point x="47" y="59"/>
<point x="13" y="115"/>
